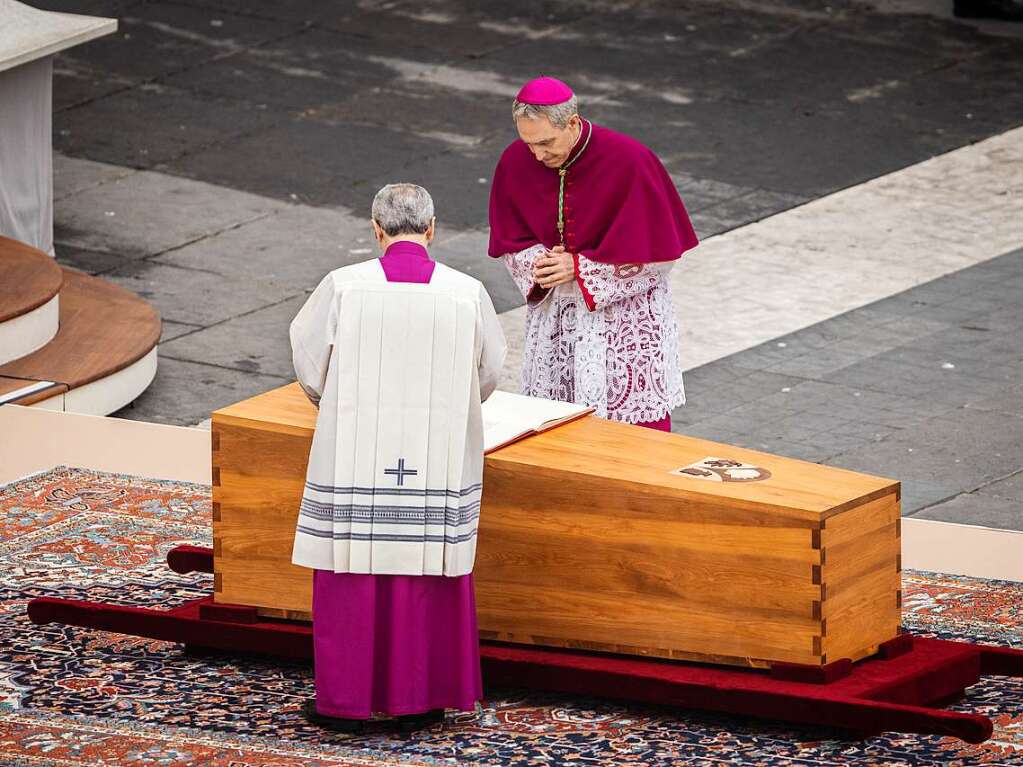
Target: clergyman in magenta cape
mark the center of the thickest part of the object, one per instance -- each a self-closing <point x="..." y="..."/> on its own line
<point x="621" y="205"/>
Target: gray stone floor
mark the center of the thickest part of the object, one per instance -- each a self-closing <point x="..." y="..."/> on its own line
<point x="925" y="386"/>
<point x="303" y="108"/>
<point x="754" y="106"/>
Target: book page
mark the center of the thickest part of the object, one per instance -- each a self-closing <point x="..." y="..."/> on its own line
<point x="507" y="416"/>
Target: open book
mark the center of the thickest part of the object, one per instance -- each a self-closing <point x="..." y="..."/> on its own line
<point x="509" y="417"/>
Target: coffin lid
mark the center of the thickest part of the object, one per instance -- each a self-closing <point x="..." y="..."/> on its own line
<point x="631" y="459"/>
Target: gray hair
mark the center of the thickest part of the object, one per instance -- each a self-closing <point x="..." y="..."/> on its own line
<point x="403" y="209"/>
<point x="558" y="114"/>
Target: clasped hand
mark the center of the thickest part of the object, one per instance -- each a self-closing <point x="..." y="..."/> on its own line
<point x="555" y="268"/>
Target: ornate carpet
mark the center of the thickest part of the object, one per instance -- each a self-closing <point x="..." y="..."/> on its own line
<point x="79" y="697"/>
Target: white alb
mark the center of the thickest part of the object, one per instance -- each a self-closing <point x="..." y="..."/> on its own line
<point x="399" y="370"/>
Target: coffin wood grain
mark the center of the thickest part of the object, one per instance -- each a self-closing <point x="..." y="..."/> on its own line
<point x="587" y="540"/>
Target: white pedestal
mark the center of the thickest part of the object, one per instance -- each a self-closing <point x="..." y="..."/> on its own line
<point x="28" y="40"/>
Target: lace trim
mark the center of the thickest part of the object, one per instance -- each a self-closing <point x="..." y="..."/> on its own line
<point x="607" y="283"/>
<point x="520" y="267"/>
<point x="621" y="357"/>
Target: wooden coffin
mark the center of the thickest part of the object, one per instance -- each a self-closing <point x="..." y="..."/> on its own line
<point x="606" y="536"/>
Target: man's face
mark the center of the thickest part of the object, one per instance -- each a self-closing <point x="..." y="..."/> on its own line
<point x="549" y="145"/>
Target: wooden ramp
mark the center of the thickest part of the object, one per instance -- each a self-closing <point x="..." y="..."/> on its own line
<point x="102" y="356"/>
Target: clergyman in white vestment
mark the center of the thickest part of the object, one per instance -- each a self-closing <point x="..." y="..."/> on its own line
<point x="398" y="352"/>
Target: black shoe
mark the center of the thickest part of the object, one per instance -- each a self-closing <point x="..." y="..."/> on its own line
<point x="334" y="723"/>
<point x="409" y="723"/>
<point x="1005" y="10"/>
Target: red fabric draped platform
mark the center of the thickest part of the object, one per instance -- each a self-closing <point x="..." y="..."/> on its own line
<point x="893" y="692"/>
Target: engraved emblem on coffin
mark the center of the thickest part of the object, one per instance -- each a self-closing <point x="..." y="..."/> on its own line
<point x="723" y="470"/>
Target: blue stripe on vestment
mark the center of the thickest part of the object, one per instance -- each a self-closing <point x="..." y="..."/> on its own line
<point x="392" y="515"/>
<point x="355" y="490"/>
<point x="389" y="537"/>
<point x="323" y="506"/>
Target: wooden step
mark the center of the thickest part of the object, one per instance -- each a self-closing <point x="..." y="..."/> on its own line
<point x="104" y="331"/>
<point x="28" y="278"/>
<point x="29" y="283"/>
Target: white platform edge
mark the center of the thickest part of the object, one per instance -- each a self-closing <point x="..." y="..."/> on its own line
<point x="37" y="439"/>
<point x="31" y="34"/>
<point x="947" y="547"/>
<point x="107" y="395"/>
<point x="22" y="335"/>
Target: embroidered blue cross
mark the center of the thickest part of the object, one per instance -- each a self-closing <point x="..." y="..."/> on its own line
<point x="401" y="472"/>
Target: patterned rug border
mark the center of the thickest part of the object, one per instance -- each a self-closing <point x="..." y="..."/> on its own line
<point x="99" y="473"/>
<point x="193" y="736"/>
<point x="83" y="687"/>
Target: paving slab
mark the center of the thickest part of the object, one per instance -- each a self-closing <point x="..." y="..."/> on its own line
<point x="305" y="11"/>
<point x="308" y="161"/>
<point x="297" y="72"/>
<point x="93" y="262"/>
<point x="458" y="118"/>
<point x="1010" y="487"/>
<point x="943" y="12"/>
<point x="145" y="214"/>
<point x="448" y="176"/>
<point x="256" y="342"/>
<point x="984" y="510"/>
<point x="157" y="38"/>
<point x="701" y="193"/>
<point x="72" y="175"/>
<point x="156" y="124"/>
<point x="293" y="247"/>
<point x="108" y="8"/>
<point x="1008" y="401"/>
<point x="172" y="330"/>
<point x="195" y="296"/>
<point x="455" y="29"/>
<point x="920" y="494"/>
<point x="190" y="391"/>
<point x="750" y="207"/>
<point x="81" y="82"/>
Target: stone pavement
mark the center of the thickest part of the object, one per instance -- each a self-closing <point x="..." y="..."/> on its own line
<point x="925" y="386"/>
<point x="218" y="156"/>
<point x="842" y="251"/>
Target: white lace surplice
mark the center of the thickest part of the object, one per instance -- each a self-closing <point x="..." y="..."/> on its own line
<point x="615" y="349"/>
